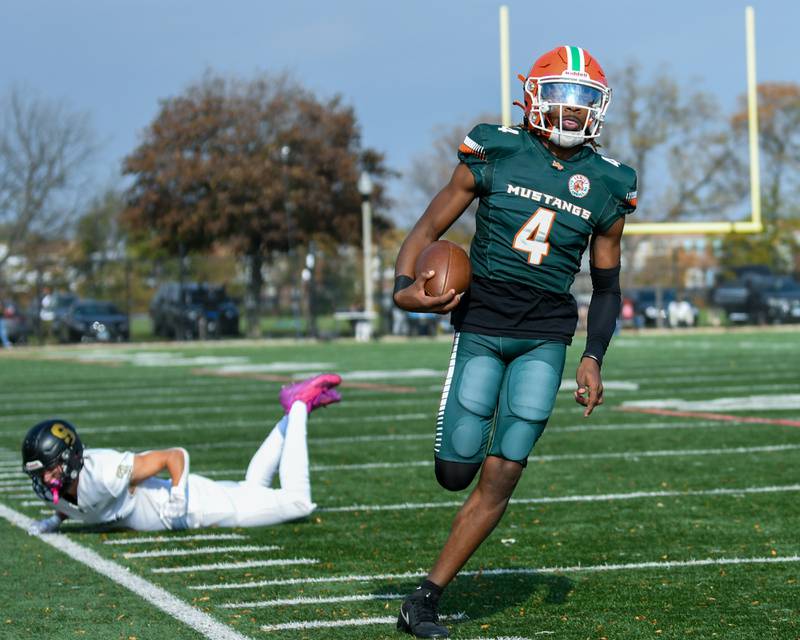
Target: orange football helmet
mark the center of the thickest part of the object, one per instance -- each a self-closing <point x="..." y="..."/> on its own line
<point x="565" y="77"/>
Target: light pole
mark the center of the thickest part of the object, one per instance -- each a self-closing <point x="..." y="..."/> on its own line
<point x="365" y="189"/>
<point x="286" y="152"/>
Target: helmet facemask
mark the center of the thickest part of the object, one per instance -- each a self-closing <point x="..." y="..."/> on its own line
<point x="48" y="445"/>
<point x="70" y="462"/>
<point x="547" y="99"/>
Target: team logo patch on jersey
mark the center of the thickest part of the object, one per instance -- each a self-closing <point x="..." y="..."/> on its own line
<point x="579" y="185"/>
<point x="123" y="471"/>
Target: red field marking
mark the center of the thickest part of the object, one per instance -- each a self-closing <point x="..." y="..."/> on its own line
<point x="270" y="377"/>
<point x="722" y="417"/>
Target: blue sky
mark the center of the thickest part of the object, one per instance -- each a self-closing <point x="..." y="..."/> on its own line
<point x="407" y="67"/>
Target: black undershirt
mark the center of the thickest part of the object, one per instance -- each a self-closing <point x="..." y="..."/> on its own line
<point x="514" y="310"/>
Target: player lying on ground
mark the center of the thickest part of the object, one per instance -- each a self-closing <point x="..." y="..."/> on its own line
<point x="545" y="195"/>
<point x="100" y="486"/>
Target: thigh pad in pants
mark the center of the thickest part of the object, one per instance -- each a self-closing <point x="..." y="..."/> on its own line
<point x="465" y="420"/>
<point x="527" y="397"/>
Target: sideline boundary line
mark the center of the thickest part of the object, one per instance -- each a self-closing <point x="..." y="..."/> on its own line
<point x="198" y="620"/>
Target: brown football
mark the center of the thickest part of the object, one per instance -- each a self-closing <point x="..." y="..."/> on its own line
<point x="451" y="264"/>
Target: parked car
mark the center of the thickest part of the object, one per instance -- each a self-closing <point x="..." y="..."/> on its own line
<point x="759" y="298"/>
<point x="56" y="306"/>
<point x="17" y="326"/>
<point x="646" y="307"/>
<point x="93" y="320"/>
<point x="782" y="300"/>
<point x="192" y="311"/>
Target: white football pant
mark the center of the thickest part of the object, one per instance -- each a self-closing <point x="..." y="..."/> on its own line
<point x="251" y="502"/>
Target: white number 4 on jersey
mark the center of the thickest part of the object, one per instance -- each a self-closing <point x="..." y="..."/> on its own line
<point x="532" y="236"/>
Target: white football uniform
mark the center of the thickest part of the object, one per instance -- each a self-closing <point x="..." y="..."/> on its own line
<point x="106" y="496"/>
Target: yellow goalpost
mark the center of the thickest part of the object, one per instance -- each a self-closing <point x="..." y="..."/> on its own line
<point x="754" y="224"/>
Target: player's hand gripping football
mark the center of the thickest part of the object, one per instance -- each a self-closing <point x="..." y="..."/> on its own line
<point x="590" y="386"/>
<point x="414" y="298"/>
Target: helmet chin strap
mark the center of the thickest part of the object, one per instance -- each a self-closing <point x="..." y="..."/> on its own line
<point x="566" y="139"/>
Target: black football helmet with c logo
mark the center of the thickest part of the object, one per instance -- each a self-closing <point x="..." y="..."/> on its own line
<point x="46" y="445"/>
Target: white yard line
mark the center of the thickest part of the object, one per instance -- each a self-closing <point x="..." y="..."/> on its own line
<point x="410" y="575"/>
<point x="261" y="423"/>
<point x="371" y="465"/>
<point x="198" y="620"/>
<point x="18" y="482"/>
<point x="603" y="497"/>
<point x="645" y="426"/>
<point x="772" y="402"/>
<point x="17" y="487"/>
<point x="388" y="437"/>
<point x="178" y="538"/>
<point x="232" y="566"/>
<point x="199" y="551"/>
<point x="611" y="455"/>
<point x="352" y="622"/>
<point x="257" y="396"/>
<point x="633" y="455"/>
<point x="289" y="602"/>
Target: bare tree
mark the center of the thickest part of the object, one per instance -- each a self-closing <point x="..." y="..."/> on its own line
<point x="779" y="135"/>
<point x="431" y="170"/>
<point x="44" y="149"/>
<point x="680" y="144"/>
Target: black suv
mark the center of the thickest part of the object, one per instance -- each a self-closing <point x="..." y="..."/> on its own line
<point x="93" y="320"/>
<point x="759" y="297"/>
<point x="193" y="311"/>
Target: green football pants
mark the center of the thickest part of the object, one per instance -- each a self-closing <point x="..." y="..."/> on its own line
<point x="497" y="397"/>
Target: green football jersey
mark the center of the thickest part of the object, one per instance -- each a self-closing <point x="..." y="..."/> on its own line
<point x="537" y="212"/>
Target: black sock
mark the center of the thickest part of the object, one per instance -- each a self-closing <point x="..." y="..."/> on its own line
<point x="435" y="589"/>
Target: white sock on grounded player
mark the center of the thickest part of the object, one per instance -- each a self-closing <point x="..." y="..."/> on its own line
<point x="293" y="468"/>
<point x="265" y="461"/>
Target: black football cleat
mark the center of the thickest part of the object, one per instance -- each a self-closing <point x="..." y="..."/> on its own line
<point x="418" y="616"/>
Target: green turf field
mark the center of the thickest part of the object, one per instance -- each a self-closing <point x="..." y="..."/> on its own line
<point x="629" y="524"/>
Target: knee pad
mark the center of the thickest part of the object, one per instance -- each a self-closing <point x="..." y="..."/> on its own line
<point x="518" y="440"/>
<point x="455" y="476"/>
<point x="479" y="385"/>
<point x="532" y="389"/>
<point x="467" y="436"/>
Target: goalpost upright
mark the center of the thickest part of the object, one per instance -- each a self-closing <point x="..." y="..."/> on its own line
<point x="754" y="224"/>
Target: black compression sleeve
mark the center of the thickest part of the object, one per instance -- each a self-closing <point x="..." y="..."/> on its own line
<point x="603" y="311"/>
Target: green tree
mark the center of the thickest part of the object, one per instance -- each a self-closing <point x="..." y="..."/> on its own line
<point x="262" y="165"/>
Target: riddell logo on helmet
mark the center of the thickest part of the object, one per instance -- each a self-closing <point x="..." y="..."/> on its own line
<point x="575" y="74"/>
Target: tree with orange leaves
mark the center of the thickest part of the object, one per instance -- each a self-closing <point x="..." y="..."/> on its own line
<point x="261" y="165"/>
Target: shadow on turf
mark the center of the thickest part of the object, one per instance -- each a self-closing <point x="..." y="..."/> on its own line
<point x="482" y="597"/>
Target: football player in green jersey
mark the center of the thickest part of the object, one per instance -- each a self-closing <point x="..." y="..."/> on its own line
<point x="545" y="196"/>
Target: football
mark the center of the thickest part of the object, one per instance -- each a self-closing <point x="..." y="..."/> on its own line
<point x="451" y="264"/>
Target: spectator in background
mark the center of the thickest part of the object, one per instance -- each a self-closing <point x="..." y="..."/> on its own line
<point x="3" y="331"/>
<point x="46" y="312"/>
